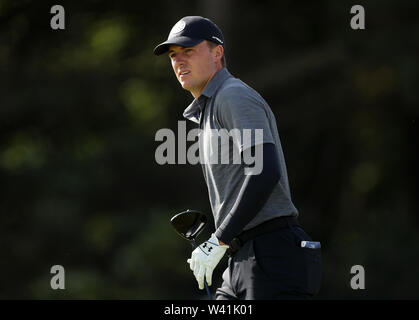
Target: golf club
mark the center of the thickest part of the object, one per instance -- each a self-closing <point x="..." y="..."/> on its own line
<point x="188" y="224"/>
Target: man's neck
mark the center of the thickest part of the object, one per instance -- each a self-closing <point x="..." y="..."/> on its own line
<point x="196" y="94"/>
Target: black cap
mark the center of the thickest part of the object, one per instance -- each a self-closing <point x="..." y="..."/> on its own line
<point x="189" y="31"/>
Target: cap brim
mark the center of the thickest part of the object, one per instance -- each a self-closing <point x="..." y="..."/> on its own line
<point x="178" y="41"/>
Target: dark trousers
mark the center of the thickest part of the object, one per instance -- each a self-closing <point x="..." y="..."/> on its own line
<point x="273" y="266"/>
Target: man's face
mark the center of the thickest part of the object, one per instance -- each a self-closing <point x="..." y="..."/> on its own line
<point x="193" y="66"/>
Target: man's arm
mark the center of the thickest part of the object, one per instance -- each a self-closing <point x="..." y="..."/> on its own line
<point x="253" y="195"/>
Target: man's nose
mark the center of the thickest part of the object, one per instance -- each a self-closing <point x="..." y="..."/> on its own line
<point x="179" y="59"/>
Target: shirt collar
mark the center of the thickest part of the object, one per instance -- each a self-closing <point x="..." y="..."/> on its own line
<point x="215" y="82"/>
<point x="194" y="110"/>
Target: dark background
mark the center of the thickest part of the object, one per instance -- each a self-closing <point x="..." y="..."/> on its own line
<point x="79" y="109"/>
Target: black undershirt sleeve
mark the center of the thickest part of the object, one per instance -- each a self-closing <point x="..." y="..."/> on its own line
<point x="253" y="194"/>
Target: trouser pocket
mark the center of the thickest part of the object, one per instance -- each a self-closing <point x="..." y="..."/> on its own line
<point x="311" y="259"/>
<point x="286" y="264"/>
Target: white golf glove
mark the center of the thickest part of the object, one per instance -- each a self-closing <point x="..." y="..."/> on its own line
<point x="205" y="258"/>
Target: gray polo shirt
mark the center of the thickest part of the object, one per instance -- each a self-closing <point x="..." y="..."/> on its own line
<point x="227" y="104"/>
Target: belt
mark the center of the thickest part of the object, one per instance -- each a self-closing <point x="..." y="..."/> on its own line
<point x="265" y="227"/>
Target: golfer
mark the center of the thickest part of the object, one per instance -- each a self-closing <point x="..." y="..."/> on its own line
<point x="270" y="255"/>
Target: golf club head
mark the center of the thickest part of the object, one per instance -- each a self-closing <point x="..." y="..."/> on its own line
<point x="188" y="224"/>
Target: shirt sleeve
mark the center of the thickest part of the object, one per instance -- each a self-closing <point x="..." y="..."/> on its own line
<point x="253" y="195"/>
<point x="240" y="110"/>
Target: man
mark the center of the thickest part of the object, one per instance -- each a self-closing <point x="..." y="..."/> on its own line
<point x="255" y="219"/>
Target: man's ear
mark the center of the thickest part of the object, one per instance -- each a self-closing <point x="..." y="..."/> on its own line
<point x="219" y="50"/>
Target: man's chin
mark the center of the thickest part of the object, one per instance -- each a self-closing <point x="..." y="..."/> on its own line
<point x="185" y="86"/>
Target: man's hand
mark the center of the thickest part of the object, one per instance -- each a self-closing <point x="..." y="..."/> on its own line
<point x="205" y="258"/>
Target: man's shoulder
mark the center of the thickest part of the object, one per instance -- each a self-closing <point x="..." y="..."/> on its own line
<point x="235" y="90"/>
<point x="232" y="85"/>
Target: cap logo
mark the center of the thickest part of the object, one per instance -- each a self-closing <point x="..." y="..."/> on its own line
<point x="218" y="39"/>
<point x="178" y="27"/>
